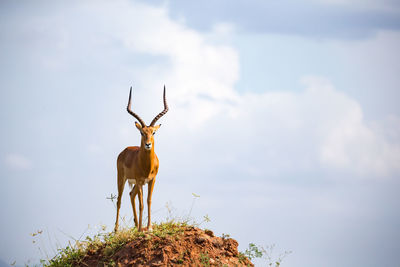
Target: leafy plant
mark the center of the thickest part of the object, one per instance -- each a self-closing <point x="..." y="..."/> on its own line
<point x="254" y="251"/>
<point x="205" y="259"/>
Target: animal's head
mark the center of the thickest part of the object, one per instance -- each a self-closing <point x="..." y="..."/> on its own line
<point x="147" y="132"/>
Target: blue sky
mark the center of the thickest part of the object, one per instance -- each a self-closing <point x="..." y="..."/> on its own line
<point x="283" y="117"/>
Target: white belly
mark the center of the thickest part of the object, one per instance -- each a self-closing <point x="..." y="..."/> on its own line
<point x="133" y="181"/>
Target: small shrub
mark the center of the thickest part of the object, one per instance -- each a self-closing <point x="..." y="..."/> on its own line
<point x="254" y="251"/>
<point x="205" y="259"/>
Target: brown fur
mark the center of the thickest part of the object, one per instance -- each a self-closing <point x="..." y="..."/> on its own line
<point x="140" y="164"/>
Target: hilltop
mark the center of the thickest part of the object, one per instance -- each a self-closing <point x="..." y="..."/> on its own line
<point x="170" y="244"/>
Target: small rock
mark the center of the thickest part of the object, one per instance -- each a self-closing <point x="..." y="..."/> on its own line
<point x="217" y="242"/>
<point x="209" y="232"/>
<point x="200" y="239"/>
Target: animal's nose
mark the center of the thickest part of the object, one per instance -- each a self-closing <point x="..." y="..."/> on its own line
<point x="148" y="144"/>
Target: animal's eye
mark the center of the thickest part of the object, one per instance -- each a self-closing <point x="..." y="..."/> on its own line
<point x="154" y="133"/>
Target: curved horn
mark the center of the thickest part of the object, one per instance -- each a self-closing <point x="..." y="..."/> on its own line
<point x="162" y="112"/>
<point x="128" y="108"/>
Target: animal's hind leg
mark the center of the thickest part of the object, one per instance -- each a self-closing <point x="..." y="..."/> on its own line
<point x="121" y="185"/>
<point x="133" y="194"/>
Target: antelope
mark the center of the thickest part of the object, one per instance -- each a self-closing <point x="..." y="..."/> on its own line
<point x="139" y="165"/>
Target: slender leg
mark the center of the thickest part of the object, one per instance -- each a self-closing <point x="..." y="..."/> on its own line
<point x="140" y="206"/>
<point x="133" y="194"/>
<point x="149" y="194"/>
<point x="121" y="184"/>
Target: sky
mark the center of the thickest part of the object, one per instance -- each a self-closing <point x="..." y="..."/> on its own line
<point x="283" y="118"/>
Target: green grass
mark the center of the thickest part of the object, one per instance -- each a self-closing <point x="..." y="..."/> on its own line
<point x="205" y="259"/>
<point x="109" y="244"/>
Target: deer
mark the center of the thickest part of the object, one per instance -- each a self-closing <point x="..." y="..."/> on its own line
<point x="139" y="166"/>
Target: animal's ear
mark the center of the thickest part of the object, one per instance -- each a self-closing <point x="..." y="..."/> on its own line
<point x="157" y="127"/>
<point x="138" y="126"/>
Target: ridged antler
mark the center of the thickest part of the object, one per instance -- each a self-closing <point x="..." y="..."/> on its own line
<point x="162" y="112"/>
<point x="128" y="108"/>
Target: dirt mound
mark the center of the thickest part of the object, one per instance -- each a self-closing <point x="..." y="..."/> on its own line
<point x="191" y="247"/>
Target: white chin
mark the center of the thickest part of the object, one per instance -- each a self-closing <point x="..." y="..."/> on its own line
<point x="147" y="148"/>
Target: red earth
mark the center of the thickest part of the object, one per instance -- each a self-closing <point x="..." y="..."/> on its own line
<point x="193" y="247"/>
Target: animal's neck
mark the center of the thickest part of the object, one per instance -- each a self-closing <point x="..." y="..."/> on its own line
<point x="147" y="157"/>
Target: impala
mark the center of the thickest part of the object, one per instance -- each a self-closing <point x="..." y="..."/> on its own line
<point x="139" y="165"/>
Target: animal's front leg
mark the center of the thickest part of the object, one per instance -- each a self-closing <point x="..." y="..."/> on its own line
<point x="140" y="193"/>
<point x="150" y="193"/>
<point x="133" y="194"/>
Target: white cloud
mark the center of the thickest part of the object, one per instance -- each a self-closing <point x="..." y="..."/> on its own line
<point x="274" y="133"/>
<point x="18" y="161"/>
<point x="198" y="69"/>
<point x="348" y="142"/>
<point x="318" y="128"/>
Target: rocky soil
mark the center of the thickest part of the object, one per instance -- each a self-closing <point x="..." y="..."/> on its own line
<point x="192" y="247"/>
